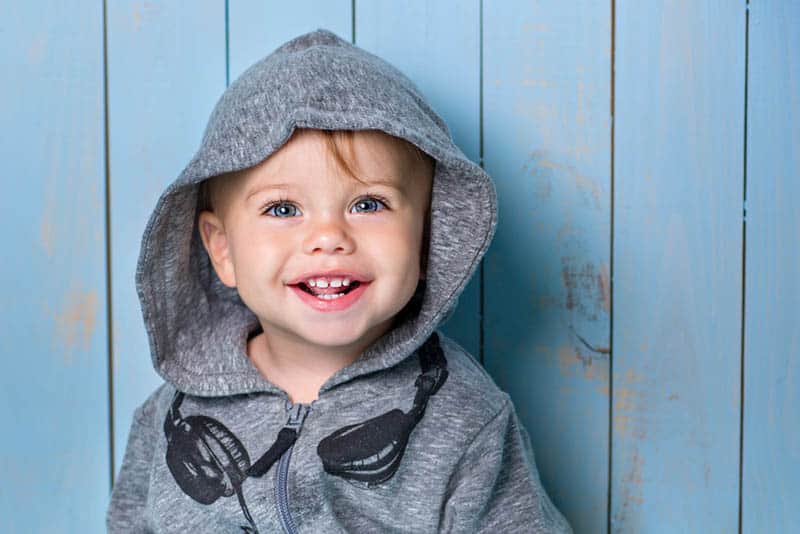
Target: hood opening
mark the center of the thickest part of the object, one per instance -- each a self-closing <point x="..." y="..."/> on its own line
<point x="197" y="327"/>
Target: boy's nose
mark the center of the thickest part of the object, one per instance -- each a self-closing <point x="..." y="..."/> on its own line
<point x="329" y="237"/>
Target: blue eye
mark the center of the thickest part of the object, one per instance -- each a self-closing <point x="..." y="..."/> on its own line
<point x="369" y="201"/>
<point x="282" y="212"/>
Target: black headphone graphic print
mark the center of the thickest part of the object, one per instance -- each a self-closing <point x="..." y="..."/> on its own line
<point x="208" y="461"/>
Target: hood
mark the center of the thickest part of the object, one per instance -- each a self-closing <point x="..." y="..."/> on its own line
<point x="197" y="327"/>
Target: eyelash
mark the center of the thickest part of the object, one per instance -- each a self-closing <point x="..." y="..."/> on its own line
<point x="283" y="200"/>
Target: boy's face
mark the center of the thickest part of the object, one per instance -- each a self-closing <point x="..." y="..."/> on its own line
<point x="262" y="238"/>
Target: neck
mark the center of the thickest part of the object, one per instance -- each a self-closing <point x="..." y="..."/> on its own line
<point x="300" y="368"/>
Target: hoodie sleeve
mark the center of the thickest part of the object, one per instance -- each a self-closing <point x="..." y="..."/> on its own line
<point x="496" y="487"/>
<point x="126" y="512"/>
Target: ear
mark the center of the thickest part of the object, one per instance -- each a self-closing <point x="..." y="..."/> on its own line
<point x="212" y="232"/>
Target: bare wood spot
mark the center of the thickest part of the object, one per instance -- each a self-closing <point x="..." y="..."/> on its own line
<point x="46" y="234"/>
<point x="631" y="491"/>
<point x="603" y="287"/>
<point x="583" y="292"/>
<point x="37" y="49"/>
<point x="592" y="366"/>
<point x="75" y="323"/>
<point x="139" y="11"/>
<point x="566" y="359"/>
<point x="528" y="82"/>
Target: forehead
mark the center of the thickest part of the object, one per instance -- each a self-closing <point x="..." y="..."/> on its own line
<point x="375" y="157"/>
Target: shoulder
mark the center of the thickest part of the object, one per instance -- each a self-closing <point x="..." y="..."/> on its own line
<point x="155" y="406"/>
<point x="469" y="394"/>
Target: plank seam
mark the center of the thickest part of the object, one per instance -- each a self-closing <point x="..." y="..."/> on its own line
<point x="481" y="163"/>
<point x="107" y="222"/>
<point x="744" y="261"/>
<point x="227" y="46"/>
<point x="612" y="82"/>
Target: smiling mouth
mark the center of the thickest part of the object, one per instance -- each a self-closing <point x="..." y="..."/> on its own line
<point x="330" y="290"/>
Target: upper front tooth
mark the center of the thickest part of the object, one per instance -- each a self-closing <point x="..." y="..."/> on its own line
<point x="333" y="282"/>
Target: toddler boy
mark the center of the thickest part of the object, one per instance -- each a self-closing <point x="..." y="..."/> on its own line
<point x="291" y="281"/>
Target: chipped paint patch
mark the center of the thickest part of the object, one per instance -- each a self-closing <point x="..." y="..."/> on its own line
<point x="586" y="288"/>
<point x="140" y="10"/>
<point x="528" y="82"/>
<point x="75" y="322"/>
<point x="630" y="491"/>
<point x="628" y="407"/>
<point x="542" y="165"/>
<point x="603" y="287"/>
<point x="37" y="48"/>
<point x="593" y="367"/>
<point x="46" y="235"/>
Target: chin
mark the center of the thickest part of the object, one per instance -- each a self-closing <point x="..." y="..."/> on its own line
<point x="334" y="337"/>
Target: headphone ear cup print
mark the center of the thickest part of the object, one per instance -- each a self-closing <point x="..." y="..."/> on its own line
<point x="371" y="451"/>
<point x="205" y="458"/>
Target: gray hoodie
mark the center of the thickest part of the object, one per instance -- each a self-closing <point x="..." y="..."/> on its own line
<point x="414" y="436"/>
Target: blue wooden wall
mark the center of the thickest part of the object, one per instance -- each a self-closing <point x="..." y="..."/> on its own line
<point x="639" y="301"/>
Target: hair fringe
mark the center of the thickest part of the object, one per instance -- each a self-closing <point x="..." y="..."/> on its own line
<point x="340" y="146"/>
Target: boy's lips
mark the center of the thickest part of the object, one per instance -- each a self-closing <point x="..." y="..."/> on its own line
<point x="330" y="305"/>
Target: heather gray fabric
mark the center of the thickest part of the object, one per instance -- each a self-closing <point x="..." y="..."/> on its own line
<point x="468" y="465"/>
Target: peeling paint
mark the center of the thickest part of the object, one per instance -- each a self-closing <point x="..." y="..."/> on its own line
<point x="593" y="368"/>
<point x="630" y="491"/>
<point x="598" y="350"/>
<point x="75" y="322"/>
<point x="539" y="160"/>
<point x="603" y="287"/>
<point x="46" y="234"/>
<point x="528" y="82"/>
<point x="586" y="288"/>
<point x="139" y="10"/>
<point x="626" y="408"/>
<point x="535" y="27"/>
<point x="36" y="50"/>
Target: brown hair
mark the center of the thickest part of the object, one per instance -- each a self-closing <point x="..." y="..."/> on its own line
<point x="338" y="143"/>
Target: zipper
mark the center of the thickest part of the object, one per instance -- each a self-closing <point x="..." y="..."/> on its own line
<point x="297" y="415"/>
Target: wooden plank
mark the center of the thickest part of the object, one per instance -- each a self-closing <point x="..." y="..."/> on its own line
<point x="258" y="27"/>
<point x="54" y="458"/>
<point x="771" y="450"/>
<point x="547" y="139"/>
<point x="166" y="69"/>
<point x="437" y="45"/>
<point x="678" y="185"/>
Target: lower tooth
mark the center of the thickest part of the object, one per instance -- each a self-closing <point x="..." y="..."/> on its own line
<point x="330" y="297"/>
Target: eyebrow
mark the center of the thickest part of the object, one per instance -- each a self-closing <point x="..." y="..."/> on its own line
<point x="286" y="187"/>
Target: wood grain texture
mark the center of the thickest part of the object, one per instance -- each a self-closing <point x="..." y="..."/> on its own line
<point x="678" y="185"/>
<point x="525" y="88"/>
<point x="437" y="44"/>
<point x="257" y="27"/>
<point x="547" y="134"/>
<point x="166" y="69"/>
<point x="771" y="450"/>
<point x="54" y="454"/>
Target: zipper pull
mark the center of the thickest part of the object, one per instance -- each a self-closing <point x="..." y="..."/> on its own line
<point x="286" y="438"/>
<point x="297" y="416"/>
